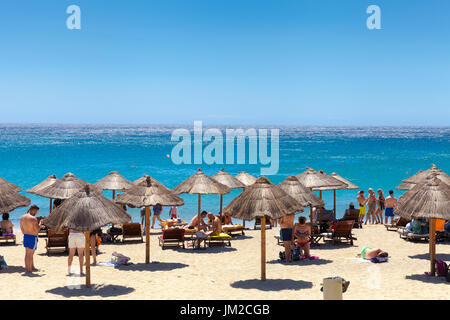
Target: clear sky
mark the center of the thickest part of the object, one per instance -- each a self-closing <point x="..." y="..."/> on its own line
<point x="277" y="62"/>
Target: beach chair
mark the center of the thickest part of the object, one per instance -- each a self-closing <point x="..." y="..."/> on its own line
<point x="258" y="223"/>
<point x="400" y="223"/>
<point x="57" y="240"/>
<point x="8" y="239"/>
<point x="416" y="237"/>
<point x="221" y="239"/>
<point x="342" y="231"/>
<point x="172" y="236"/>
<point x="352" y="214"/>
<point x="132" y="231"/>
<point x="315" y="236"/>
<point x="232" y="229"/>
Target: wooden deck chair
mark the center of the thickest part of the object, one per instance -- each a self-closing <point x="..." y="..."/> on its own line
<point x="220" y="239"/>
<point x="132" y="231"/>
<point x="342" y="231"/>
<point x="233" y="229"/>
<point x="57" y="240"/>
<point x="400" y="223"/>
<point x="10" y="239"/>
<point x="352" y="214"/>
<point x="172" y="236"/>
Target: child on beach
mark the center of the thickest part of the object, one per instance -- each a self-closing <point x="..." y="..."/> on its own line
<point x="362" y="205"/>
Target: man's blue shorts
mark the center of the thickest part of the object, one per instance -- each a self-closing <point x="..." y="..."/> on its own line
<point x="30" y="241"/>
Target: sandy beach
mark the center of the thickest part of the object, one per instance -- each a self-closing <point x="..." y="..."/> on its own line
<point x="232" y="273"/>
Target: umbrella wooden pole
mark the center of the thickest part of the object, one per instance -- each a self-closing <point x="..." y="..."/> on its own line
<point x="243" y="220"/>
<point x="432" y="232"/>
<point x="221" y="204"/>
<point x="199" y="208"/>
<point x="310" y="215"/>
<point x="320" y="193"/>
<point x="114" y="194"/>
<point x="334" y="202"/>
<point x="147" y="234"/>
<point x="263" y="248"/>
<point x="87" y="256"/>
<point x="51" y="205"/>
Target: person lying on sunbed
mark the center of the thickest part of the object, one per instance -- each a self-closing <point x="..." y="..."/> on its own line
<point x="369" y="253"/>
<point x="302" y="232"/>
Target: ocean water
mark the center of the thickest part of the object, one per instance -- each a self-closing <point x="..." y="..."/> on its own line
<point x="376" y="157"/>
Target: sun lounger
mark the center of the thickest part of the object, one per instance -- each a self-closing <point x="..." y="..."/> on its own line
<point x="235" y="228"/>
<point x="132" y="231"/>
<point x="172" y="236"/>
<point x="279" y="242"/>
<point x="406" y="234"/>
<point x="397" y="224"/>
<point x="342" y="231"/>
<point x="57" y="240"/>
<point x="7" y="239"/>
<point x="220" y="239"/>
<point x="258" y="223"/>
<point x="352" y="214"/>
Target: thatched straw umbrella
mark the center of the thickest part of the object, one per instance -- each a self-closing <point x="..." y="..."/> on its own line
<point x="293" y="187"/>
<point x="263" y="199"/>
<point x="86" y="210"/>
<point x="429" y="200"/>
<point x="227" y="179"/>
<point x="246" y="178"/>
<point x="145" y="194"/>
<point x="7" y="184"/>
<point x="199" y="183"/>
<point x="44" y="184"/>
<point x="421" y="176"/>
<point x="10" y="200"/>
<point x="319" y="180"/>
<point x="63" y="188"/>
<point x="113" y="181"/>
<point x="405" y="186"/>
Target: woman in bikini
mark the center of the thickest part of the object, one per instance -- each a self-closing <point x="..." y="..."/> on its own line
<point x="302" y="232"/>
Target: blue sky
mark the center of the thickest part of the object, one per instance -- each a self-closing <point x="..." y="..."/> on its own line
<point x="278" y="62"/>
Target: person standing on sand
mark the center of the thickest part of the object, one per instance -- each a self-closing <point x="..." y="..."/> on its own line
<point x="362" y="205"/>
<point x="371" y="207"/>
<point x="156" y="213"/>
<point x="391" y="203"/>
<point x="381" y="206"/>
<point x="77" y="242"/>
<point x="30" y="227"/>
<point x="286" y="225"/>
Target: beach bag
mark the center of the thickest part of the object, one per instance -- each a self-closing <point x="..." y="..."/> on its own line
<point x="296" y="254"/>
<point x="441" y="268"/>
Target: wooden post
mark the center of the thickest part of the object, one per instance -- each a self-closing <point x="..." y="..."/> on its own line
<point x="334" y="198"/>
<point x="320" y="193"/>
<point x="114" y="194"/>
<point x="199" y="208"/>
<point x="87" y="256"/>
<point x="310" y="215"/>
<point x="221" y="204"/>
<point x="243" y="220"/>
<point x="51" y="205"/>
<point x="147" y="234"/>
<point x="432" y="240"/>
<point x="263" y="248"/>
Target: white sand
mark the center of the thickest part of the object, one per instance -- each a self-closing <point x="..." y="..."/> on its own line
<point x="233" y="273"/>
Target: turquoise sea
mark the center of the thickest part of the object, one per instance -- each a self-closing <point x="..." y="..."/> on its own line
<point x="376" y="157"/>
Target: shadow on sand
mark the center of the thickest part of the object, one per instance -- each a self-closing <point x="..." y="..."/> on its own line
<point x="305" y="262"/>
<point x="207" y="250"/>
<point x="426" y="256"/>
<point x="103" y="291"/>
<point x="272" y="284"/>
<point x="153" y="266"/>
<point x="331" y="246"/>
<point x="427" y="279"/>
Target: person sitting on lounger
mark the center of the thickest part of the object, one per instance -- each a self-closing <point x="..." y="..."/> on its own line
<point x="302" y="232"/>
<point x="419" y="226"/>
<point x="368" y="253"/>
<point x="6" y="226"/>
<point x="216" y="227"/>
<point x="195" y="223"/>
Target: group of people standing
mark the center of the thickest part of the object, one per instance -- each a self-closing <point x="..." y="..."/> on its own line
<point x="376" y="205"/>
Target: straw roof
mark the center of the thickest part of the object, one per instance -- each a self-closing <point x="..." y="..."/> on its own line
<point x="246" y="178"/>
<point x="350" y="186"/>
<point x="319" y="179"/>
<point x="149" y="193"/>
<point x="63" y="188"/>
<point x="293" y="187"/>
<point x="227" y="179"/>
<point x="12" y="186"/>
<point x="47" y="182"/>
<point x="10" y="200"/>
<point x="200" y="183"/>
<point x="421" y="176"/>
<point x="113" y="181"/>
<point x="141" y="179"/>
<point x="429" y="200"/>
<point x="262" y="198"/>
<point x="406" y="186"/>
<point x="86" y="210"/>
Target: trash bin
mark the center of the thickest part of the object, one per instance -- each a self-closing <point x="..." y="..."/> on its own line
<point x="334" y="287"/>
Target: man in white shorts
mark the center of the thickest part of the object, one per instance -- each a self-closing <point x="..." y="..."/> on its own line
<point x="77" y="241"/>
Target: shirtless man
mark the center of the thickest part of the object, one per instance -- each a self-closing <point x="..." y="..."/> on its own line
<point x="362" y="205"/>
<point x="216" y="227"/>
<point x="30" y="227"/>
<point x="371" y="207"/>
<point x="286" y="225"/>
<point x="302" y="233"/>
<point x="391" y="203"/>
<point x="6" y="226"/>
<point x="195" y="223"/>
